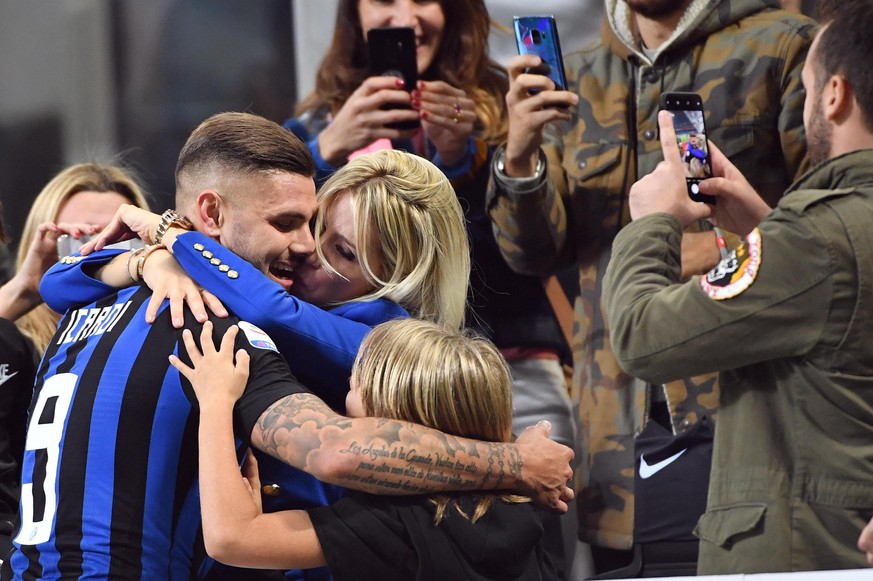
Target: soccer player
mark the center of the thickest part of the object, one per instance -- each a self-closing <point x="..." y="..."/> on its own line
<point x="109" y="485"/>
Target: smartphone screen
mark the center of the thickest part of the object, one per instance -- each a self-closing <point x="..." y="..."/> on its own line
<point x="687" y="112"/>
<point x="392" y="54"/>
<point x="539" y="35"/>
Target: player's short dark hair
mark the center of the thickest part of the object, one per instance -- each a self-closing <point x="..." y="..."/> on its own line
<point x="244" y="143"/>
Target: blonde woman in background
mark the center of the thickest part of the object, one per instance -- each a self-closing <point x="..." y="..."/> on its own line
<point x="407" y="370"/>
<point x="78" y="201"/>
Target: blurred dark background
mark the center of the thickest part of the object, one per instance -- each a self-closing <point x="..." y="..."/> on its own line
<point x="88" y="79"/>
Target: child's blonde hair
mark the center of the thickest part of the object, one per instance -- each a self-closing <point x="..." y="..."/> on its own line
<point x="405" y="204"/>
<point x="453" y="381"/>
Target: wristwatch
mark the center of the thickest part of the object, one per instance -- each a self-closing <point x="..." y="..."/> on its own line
<point x="169" y="219"/>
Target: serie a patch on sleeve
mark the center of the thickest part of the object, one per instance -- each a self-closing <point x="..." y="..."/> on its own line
<point x="257" y="337"/>
<point x="736" y="272"/>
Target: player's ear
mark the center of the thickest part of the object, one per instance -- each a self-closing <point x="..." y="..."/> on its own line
<point x="210" y="207"/>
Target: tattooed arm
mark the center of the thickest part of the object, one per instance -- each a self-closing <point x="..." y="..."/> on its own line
<point x="391" y="457"/>
<point x="371" y="454"/>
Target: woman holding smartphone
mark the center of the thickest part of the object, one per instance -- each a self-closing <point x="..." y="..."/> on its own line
<point x="78" y="201"/>
<point x="458" y="100"/>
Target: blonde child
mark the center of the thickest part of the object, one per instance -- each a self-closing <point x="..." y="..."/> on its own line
<point x="406" y="369"/>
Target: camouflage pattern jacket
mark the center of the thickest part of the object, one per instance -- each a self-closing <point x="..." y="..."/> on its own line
<point x="744" y="58"/>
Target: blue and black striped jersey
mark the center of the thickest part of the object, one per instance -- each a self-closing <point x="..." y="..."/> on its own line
<point x="110" y="469"/>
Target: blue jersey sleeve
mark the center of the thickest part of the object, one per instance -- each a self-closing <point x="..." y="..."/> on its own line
<point x="320" y="346"/>
<point x="67" y="284"/>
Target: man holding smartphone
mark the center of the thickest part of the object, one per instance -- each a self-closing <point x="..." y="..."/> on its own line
<point x="786" y="319"/>
<point x="559" y="197"/>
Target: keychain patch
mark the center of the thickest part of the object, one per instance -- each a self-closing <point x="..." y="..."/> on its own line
<point x="736" y="272"/>
<point x="256" y="337"/>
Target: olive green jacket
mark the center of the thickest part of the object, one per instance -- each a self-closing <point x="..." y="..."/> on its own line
<point x="792" y="470"/>
<point x="744" y="57"/>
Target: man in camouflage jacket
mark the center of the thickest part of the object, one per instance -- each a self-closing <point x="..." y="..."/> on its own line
<point x="558" y="200"/>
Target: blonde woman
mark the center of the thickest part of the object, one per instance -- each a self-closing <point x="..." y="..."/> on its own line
<point x="406" y="370"/>
<point x="78" y="201"/>
<point x="408" y="230"/>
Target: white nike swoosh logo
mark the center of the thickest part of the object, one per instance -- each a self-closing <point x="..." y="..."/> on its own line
<point x="7" y="378"/>
<point x="649" y="470"/>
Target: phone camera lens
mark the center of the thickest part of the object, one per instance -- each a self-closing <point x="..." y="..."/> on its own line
<point x="536" y="36"/>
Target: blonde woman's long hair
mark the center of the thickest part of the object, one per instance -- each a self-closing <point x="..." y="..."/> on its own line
<point x="406" y="205"/>
<point x="453" y="381"/>
<point x="40" y="323"/>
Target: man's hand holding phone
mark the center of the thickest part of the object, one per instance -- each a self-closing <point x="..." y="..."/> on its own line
<point x="533" y="102"/>
<point x="665" y="190"/>
<point x="739" y="208"/>
<point x="537" y="91"/>
<point x="538" y="35"/>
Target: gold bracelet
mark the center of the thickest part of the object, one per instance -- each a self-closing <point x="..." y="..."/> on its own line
<point x="147" y="250"/>
<point x="169" y="219"/>
<point x="130" y="256"/>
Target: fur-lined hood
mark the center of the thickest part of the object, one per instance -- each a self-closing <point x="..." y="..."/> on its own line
<point x="701" y="18"/>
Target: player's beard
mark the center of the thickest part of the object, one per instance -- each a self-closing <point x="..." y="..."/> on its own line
<point x="656" y="9"/>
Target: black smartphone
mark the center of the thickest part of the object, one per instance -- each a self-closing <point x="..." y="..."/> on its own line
<point x="539" y="35"/>
<point x="392" y="54"/>
<point x="687" y="112"/>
